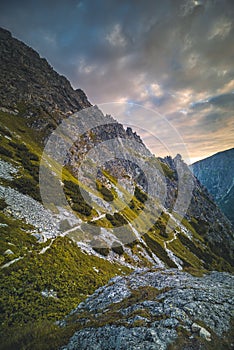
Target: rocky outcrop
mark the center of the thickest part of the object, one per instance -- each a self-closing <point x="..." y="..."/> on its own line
<point x="28" y="84"/>
<point x="152" y="309"/>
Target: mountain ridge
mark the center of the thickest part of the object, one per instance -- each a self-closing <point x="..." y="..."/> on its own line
<point x="54" y="257"/>
<point x="212" y="155"/>
<point x="30" y="85"/>
<point x="216" y="174"/>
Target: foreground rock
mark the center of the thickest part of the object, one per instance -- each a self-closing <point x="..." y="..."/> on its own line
<point x="152" y="309"/>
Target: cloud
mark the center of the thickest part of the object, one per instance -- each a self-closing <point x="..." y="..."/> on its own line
<point x="172" y="56"/>
<point x="220" y="29"/>
<point x="115" y="37"/>
<point x="224" y="101"/>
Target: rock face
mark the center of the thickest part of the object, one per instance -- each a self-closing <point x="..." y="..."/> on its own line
<point x="29" y="84"/>
<point x="216" y="174"/>
<point x="148" y="309"/>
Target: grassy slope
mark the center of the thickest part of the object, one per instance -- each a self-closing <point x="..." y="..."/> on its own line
<point x="64" y="268"/>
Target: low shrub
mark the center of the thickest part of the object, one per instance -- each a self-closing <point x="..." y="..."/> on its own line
<point x="79" y="204"/>
<point x="106" y="193"/>
<point x="28" y="186"/>
<point x="116" y="220"/>
<point x="5" y="152"/>
<point x="3" y="204"/>
<point x="158" y="250"/>
<point x="100" y="247"/>
<point x="117" y="248"/>
<point x="140" y="195"/>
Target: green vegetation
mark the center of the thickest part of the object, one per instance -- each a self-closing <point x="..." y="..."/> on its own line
<point x="140" y="195"/>
<point x="27" y="185"/>
<point x="116" y="219"/>
<point x="185" y="341"/>
<point x="3" y="204"/>
<point x="5" y="152"/>
<point x="105" y="192"/>
<point x="18" y="129"/>
<point x="78" y="204"/>
<point x="15" y="236"/>
<point x="63" y="268"/>
<point x="100" y="247"/>
<point x="117" y="248"/>
<point x="27" y="180"/>
<point x="188" y="258"/>
<point x="167" y="171"/>
<point x="200" y="226"/>
<point x="201" y="254"/>
<point x="37" y="335"/>
<point x="160" y="226"/>
<point x="5" y="131"/>
<point x="158" y="250"/>
<point x="114" y="316"/>
<point x="45" y="335"/>
<point x="27" y="316"/>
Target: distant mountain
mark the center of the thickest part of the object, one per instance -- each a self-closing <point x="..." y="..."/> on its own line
<point x="55" y="256"/>
<point x="216" y="173"/>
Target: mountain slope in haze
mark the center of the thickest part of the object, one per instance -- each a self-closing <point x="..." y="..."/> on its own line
<point x="216" y="174"/>
<point x="51" y="260"/>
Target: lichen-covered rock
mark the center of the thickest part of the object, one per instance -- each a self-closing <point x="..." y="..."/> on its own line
<point x="147" y="309"/>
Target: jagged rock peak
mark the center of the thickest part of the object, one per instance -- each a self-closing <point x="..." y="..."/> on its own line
<point x="26" y="78"/>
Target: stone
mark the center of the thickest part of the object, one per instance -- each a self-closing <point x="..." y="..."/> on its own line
<point x="195" y="328"/>
<point x="8" y="252"/>
<point x="211" y="294"/>
<point x="205" y="334"/>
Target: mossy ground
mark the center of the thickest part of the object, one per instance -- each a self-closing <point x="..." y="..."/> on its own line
<point x="185" y="341"/>
<point x="114" y="316"/>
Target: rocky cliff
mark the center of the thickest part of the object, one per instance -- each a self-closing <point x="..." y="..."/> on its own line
<point x="29" y="85"/>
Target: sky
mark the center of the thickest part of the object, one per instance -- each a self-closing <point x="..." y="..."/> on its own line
<point x="174" y="59"/>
